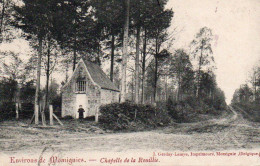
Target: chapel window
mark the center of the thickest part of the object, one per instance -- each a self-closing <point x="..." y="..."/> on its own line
<point x="81" y="83"/>
<point x="81" y="86"/>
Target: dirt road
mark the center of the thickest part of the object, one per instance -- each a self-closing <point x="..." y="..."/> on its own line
<point x="231" y="131"/>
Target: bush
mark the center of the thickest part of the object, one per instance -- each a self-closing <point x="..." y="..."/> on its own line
<point x="180" y="111"/>
<point x="26" y="111"/>
<point x="128" y="116"/>
<point x="189" y="109"/>
<point x="7" y="110"/>
<point x="67" y="117"/>
<point x="249" y="110"/>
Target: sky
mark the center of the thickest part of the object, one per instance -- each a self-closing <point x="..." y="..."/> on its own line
<point x="236" y="35"/>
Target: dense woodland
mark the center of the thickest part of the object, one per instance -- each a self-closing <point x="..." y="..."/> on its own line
<point x="132" y="36"/>
<point x="247" y="96"/>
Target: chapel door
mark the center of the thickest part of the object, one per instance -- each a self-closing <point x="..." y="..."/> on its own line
<point x="81" y="102"/>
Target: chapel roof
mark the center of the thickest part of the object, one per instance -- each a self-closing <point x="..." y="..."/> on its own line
<point x="99" y="77"/>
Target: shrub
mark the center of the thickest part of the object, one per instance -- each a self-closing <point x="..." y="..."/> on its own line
<point x="249" y="110"/>
<point x="189" y="109"/>
<point x="180" y="111"/>
<point x="67" y="117"/>
<point x="129" y="116"/>
<point x="7" y="110"/>
<point x="26" y="111"/>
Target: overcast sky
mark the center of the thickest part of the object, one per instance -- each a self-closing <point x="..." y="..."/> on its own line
<point x="235" y="25"/>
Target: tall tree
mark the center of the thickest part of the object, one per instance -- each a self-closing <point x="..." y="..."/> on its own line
<point x="137" y="59"/>
<point x="110" y="20"/>
<point x="6" y="9"/>
<point x="50" y="58"/>
<point x="181" y="69"/>
<point x="255" y="80"/>
<point x="160" y="22"/>
<point x="75" y="28"/>
<point x="125" y="52"/>
<point x="208" y="84"/>
<point x="36" y="19"/>
<point x="202" y="52"/>
<point x="11" y="65"/>
<point x="162" y="70"/>
<point x="144" y="63"/>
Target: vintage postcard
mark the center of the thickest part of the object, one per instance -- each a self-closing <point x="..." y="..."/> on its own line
<point x="129" y="82"/>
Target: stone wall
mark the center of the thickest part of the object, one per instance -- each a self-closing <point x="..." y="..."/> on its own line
<point x="109" y="96"/>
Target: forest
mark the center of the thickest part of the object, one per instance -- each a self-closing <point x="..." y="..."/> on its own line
<point x="246" y="97"/>
<point x="132" y="40"/>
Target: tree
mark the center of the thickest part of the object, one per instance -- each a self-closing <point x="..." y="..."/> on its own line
<point x="13" y="68"/>
<point x="138" y="31"/>
<point x="75" y="28"/>
<point x="254" y="79"/>
<point x="11" y="65"/>
<point x="160" y="23"/>
<point x="202" y="52"/>
<point x="110" y="18"/>
<point x="6" y="9"/>
<point x="125" y="52"/>
<point x="181" y="70"/>
<point x="242" y="95"/>
<point x="162" y="70"/>
<point x="36" y="19"/>
<point x="208" y="84"/>
<point x="50" y="50"/>
<point x="8" y="89"/>
<point x="27" y="91"/>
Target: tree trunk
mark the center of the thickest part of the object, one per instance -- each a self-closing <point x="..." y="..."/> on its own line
<point x="156" y="71"/>
<point x="17" y="99"/>
<point x="178" y="88"/>
<point x="132" y="87"/>
<point x="254" y="84"/>
<point x="2" y="21"/>
<point x="137" y="66"/>
<point x="74" y="54"/>
<point x="199" y="72"/>
<point x="67" y="70"/>
<point x="47" y="81"/>
<point x="125" y="53"/>
<point x="112" y="57"/>
<point x="155" y="79"/>
<point x="143" y="66"/>
<point x="38" y="83"/>
<point x="166" y="87"/>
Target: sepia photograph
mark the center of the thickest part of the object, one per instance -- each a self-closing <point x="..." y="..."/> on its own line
<point x="129" y="82"/>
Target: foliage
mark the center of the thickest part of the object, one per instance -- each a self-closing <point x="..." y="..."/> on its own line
<point x="128" y="116"/>
<point x="74" y="26"/>
<point x="67" y="117"/>
<point x="12" y="66"/>
<point x="202" y="52"/>
<point x="189" y="109"/>
<point x="246" y="98"/>
<point x="27" y="92"/>
<point x="243" y="94"/>
<point x="7" y="90"/>
<point x="181" y="70"/>
<point x="249" y="110"/>
<point x="7" y="34"/>
<point x="7" y="110"/>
